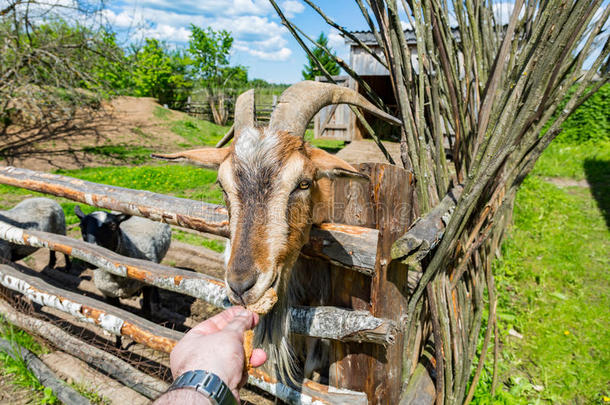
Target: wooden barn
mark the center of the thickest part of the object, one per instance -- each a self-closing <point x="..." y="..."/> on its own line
<point x="338" y="122"/>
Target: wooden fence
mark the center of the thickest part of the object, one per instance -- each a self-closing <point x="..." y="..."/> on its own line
<point x="363" y="317"/>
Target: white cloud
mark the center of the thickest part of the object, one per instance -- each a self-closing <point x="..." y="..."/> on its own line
<point x="405" y="25"/>
<point x="280" y="55"/>
<point x="249" y="21"/>
<point x="166" y="32"/>
<point x="337" y="43"/>
<point x="292" y="8"/>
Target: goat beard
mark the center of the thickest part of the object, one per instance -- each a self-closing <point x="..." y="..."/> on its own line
<point x="273" y="332"/>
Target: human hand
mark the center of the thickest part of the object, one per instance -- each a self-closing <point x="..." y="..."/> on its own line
<point x="217" y="345"/>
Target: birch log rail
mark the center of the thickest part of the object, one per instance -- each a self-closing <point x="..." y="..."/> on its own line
<point x="120" y="322"/>
<point x="312" y="321"/>
<point x="352" y="246"/>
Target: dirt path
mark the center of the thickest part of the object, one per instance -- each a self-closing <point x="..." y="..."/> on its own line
<point x="129" y="122"/>
<point x="368" y="152"/>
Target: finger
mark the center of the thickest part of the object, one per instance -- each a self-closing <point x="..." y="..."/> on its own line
<point x="258" y="358"/>
<point x="219" y="321"/>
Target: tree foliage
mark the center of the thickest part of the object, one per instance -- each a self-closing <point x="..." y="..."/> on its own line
<point x="51" y="66"/>
<point x="210" y="51"/>
<point x="327" y="60"/>
<point x="590" y="122"/>
<point x="160" y="73"/>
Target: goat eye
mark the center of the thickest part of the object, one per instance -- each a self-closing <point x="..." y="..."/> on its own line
<point x="304" y="185"/>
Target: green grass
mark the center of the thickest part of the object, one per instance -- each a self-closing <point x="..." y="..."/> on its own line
<point x="92" y="396"/>
<point x="553" y="285"/>
<point x="329" y="145"/>
<point x="162" y="113"/>
<point x="195" y="240"/>
<point x="565" y="160"/>
<point x="128" y="153"/>
<point x="193" y="130"/>
<point x="199" y="132"/>
<point x="16" y="370"/>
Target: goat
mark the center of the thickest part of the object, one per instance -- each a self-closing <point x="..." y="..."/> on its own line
<point x="275" y="186"/>
<point x="135" y="237"/>
<point x="41" y="214"/>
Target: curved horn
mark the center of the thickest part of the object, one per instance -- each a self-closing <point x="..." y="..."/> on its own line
<point x="301" y="101"/>
<point x="245" y="112"/>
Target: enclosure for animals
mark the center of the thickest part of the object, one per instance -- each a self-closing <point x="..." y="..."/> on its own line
<point x="364" y="315"/>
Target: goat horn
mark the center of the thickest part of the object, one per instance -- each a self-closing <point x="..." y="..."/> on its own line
<point x="301" y="101"/>
<point x="245" y="112"/>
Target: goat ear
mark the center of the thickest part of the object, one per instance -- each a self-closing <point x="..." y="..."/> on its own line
<point x="330" y="166"/>
<point x="122" y="217"/>
<point x="79" y="213"/>
<point x="210" y="158"/>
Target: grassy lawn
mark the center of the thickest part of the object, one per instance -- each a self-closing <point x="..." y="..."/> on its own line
<point x="553" y="285"/>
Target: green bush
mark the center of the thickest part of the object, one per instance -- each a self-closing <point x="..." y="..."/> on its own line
<point x="590" y="122"/>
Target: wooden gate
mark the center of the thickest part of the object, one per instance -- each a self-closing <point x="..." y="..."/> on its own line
<point x="335" y="121"/>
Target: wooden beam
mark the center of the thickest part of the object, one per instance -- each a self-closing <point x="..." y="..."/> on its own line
<point x="116" y="368"/>
<point x="315" y="321"/>
<point x="427" y="231"/>
<point x="120" y="322"/>
<point x="111" y="319"/>
<point x="347" y="245"/>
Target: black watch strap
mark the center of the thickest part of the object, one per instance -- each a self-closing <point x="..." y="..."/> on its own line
<point x="208" y="384"/>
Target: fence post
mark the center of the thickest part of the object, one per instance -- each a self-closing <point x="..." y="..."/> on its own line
<point x="386" y="203"/>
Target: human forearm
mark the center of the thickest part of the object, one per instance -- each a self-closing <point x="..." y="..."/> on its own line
<point x="182" y="396"/>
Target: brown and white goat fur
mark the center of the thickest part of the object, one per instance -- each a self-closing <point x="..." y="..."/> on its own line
<point x="275" y="187"/>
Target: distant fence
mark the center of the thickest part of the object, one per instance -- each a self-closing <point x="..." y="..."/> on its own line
<point x="200" y="108"/>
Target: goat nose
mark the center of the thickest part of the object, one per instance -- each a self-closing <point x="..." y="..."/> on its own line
<point x="240" y="287"/>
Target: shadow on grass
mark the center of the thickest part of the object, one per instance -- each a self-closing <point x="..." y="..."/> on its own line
<point x="598" y="176"/>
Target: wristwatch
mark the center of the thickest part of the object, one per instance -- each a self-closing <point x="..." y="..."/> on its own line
<point x="208" y="384"/>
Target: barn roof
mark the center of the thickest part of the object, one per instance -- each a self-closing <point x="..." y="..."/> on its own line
<point x="368" y="38"/>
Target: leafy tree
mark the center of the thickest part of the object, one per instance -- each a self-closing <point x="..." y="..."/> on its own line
<point x="311" y="68"/>
<point x="210" y="51"/>
<point x="160" y="73"/>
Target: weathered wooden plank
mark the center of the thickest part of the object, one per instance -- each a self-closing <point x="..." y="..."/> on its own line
<point x="357" y="326"/>
<point x="427" y="232"/>
<point x="394" y="197"/>
<point x="116" y="368"/>
<point x="347" y="245"/>
<point x="119" y="322"/>
<point x="207" y="288"/>
<point x="352" y="205"/>
<point x="111" y="319"/>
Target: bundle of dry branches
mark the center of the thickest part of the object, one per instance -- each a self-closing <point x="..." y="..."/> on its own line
<point x="504" y="91"/>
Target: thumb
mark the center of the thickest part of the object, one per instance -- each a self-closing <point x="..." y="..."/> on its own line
<point x="241" y="323"/>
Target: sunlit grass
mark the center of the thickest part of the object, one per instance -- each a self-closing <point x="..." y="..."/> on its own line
<point x="553" y="284"/>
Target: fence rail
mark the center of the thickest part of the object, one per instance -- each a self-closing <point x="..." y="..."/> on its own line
<point x="351" y="246"/>
<point x="311" y="321"/>
<point x="123" y="323"/>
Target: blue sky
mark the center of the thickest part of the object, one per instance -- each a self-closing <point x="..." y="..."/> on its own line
<point x="261" y="42"/>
